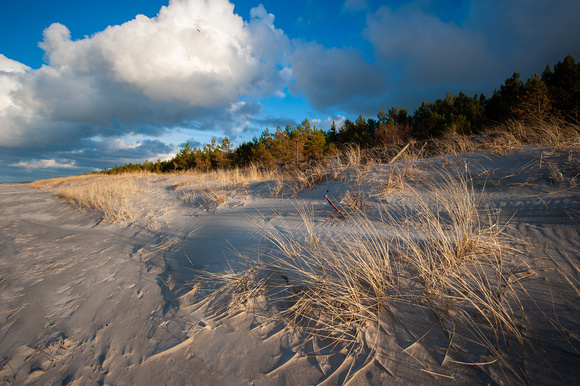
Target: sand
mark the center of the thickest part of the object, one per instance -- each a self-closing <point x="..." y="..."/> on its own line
<point x="85" y="301"/>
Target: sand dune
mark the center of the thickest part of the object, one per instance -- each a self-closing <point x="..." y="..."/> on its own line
<point x="87" y="301"/>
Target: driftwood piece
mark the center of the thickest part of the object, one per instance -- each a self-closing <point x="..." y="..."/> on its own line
<point x="337" y="211"/>
<point x="399" y="154"/>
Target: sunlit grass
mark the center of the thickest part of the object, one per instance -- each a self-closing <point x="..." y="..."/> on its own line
<point x="112" y="196"/>
<point x="443" y="257"/>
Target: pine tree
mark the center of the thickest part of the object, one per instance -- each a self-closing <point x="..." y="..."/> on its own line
<point x="534" y="103"/>
<point x="315" y="144"/>
<point x="564" y="87"/>
<point x="499" y="107"/>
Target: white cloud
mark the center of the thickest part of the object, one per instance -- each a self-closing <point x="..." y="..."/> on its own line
<point x="10" y="72"/>
<point x="45" y="164"/>
<point x="194" y="58"/>
<point x="11" y="115"/>
<point x="199" y="51"/>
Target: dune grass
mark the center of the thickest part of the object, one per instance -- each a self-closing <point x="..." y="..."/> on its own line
<point x="112" y="196"/>
<point x="512" y="135"/>
<point x="217" y="187"/>
<point x="443" y="257"/>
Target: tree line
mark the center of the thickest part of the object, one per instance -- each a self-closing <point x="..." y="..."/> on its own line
<point x="553" y="94"/>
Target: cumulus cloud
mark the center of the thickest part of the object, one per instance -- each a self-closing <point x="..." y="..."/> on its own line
<point x="10" y="72"/>
<point x="335" y="77"/>
<point x="193" y="58"/>
<point x="45" y="164"/>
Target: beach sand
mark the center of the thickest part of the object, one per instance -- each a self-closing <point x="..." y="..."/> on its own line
<point x="86" y="301"/>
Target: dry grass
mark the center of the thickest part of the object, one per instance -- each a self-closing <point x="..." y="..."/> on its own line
<point x="562" y="169"/>
<point x="225" y="178"/>
<point x="209" y="196"/>
<point x="454" y="143"/>
<point x="117" y="198"/>
<point x="313" y="175"/>
<point x="353" y="159"/>
<point x="277" y="190"/>
<point x="459" y="261"/>
<point x="111" y="196"/>
<point x="353" y="201"/>
<point x="397" y="178"/>
<point x="556" y="134"/>
<point x="444" y="258"/>
<point x="504" y="138"/>
<point x="215" y="188"/>
<point x="353" y="156"/>
<point x="54" y="183"/>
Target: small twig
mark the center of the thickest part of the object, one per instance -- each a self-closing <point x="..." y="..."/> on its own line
<point x="336" y="210"/>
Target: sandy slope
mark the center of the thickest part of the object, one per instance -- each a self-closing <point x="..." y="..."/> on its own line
<point x="87" y="302"/>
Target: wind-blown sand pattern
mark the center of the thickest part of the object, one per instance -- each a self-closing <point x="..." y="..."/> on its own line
<point x="89" y="301"/>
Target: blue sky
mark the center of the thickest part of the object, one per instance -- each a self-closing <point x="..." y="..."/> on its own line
<point x="85" y="85"/>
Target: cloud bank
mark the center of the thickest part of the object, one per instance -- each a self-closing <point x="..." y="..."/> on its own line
<point x="147" y="74"/>
<point x="335" y="78"/>
<point x="433" y="47"/>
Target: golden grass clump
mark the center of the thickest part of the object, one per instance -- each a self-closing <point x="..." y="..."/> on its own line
<point x="215" y="188"/>
<point x="353" y="156"/>
<point x="113" y="196"/>
<point x="53" y="183"/>
<point x="225" y="178"/>
<point x="443" y="257"/>
<point x="512" y="135"/>
<point x="454" y="143"/>
<point x="503" y="138"/>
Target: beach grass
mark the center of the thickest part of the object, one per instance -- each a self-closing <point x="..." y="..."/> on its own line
<point x="114" y="197"/>
<point x="216" y="187"/>
<point x="442" y="258"/>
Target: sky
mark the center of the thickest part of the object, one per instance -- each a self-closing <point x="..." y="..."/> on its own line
<point x="86" y="85"/>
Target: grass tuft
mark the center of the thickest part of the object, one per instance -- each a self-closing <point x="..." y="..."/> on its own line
<point x="443" y="258"/>
<point x="111" y="196"/>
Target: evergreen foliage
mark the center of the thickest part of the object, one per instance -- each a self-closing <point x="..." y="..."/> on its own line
<point x="534" y="102"/>
<point x="500" y="106"/>
<point x="461" y="113"/>
<point x="564" y="88"/>
<point x="556" y="94"/>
